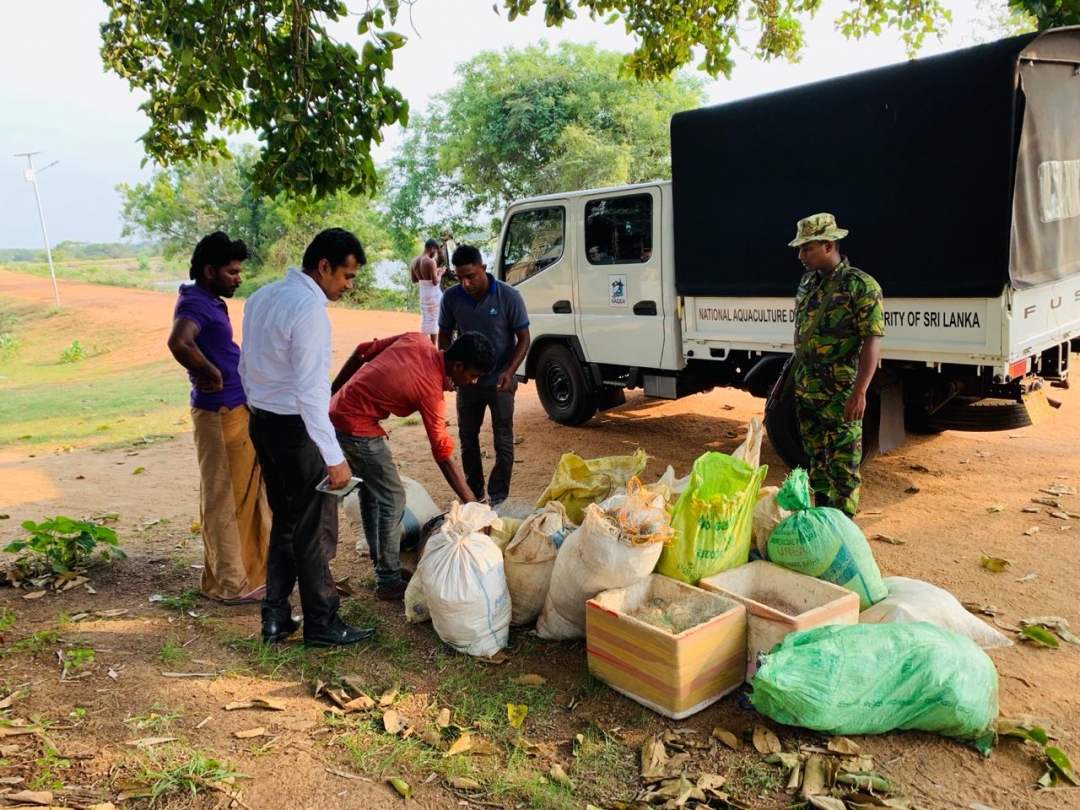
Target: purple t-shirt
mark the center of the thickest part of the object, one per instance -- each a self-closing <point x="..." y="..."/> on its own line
<point x="215" y="340"/>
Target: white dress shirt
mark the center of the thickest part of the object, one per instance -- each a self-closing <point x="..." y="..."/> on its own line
<point x="285" y="356"/>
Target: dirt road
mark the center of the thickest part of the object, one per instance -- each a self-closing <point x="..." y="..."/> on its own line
<point x="934" y="495"/>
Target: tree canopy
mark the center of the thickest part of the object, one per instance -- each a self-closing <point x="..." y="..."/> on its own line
<point x="318" y="105"/>
<point x="534" y="121"/>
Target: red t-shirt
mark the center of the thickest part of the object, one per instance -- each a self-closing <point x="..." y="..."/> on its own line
<point x="401" y="375"/>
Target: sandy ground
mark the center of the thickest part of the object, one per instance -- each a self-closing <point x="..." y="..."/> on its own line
<point x="932" y="494"/>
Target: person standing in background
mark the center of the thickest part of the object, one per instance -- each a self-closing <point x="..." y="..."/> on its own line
<point x="425" y="271"/>
<point x="481" y="303"/>
<point x="285" y="367"/>
<point x="234" y="518"/>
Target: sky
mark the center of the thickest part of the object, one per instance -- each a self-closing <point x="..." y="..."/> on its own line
<point x="56" y="98"/>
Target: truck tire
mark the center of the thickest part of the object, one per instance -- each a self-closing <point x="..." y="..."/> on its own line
<point x="561" y="385"/>
<point x="783" y="429"/>
<point x="978" y="415"/>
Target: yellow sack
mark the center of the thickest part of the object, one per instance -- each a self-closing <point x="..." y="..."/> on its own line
<point x="577" y="482"/>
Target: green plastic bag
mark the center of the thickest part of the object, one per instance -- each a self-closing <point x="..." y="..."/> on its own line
<point x="874" y="678"/>
<point x="823" y="542"/>
<point x="577" y="482"/>
<point x="712" y="519"/>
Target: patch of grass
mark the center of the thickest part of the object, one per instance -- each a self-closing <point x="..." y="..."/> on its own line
<point x="46" y="404"/>
<point x="8" y="345"/>
<point x="178" y="770"/>
<point x="182" y="603"/>
<point x="156" y="717"/>
<point x="411" y="420"/>
<point x="396" y="648"/>
<point x="144" y="273"/>
<point x="479" y="696"/>
<point x="49" y="764"/>
<point x="7" y="619"/>
<point x="172" y="653"/>
<point x="136" y="443"/>
<point x="759" y="779"/>
<point x="604" y="763"/>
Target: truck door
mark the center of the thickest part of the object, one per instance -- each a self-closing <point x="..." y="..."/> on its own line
<point x="619" y="291"/>
<point x="535" y="262"/>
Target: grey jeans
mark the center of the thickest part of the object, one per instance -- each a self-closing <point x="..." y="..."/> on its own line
<point x="382" y="503"/>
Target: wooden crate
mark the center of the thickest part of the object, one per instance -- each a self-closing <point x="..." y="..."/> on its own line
<point x="814" y="602"/>
<point x="675" y="675"/>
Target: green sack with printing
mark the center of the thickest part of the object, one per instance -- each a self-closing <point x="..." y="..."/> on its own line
<point x="875" y="678"/>
<point x="823" y="542"/>
<point x="712" y="519"/>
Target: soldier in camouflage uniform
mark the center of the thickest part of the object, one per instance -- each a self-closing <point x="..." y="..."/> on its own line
<point x="839" y="356"/>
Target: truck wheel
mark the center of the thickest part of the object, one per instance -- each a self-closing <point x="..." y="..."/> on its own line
<point x="979" y="415"/>
<point x="783" y="428"/>
<point x="561" y="386"/>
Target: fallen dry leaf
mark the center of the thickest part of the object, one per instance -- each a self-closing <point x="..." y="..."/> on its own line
<point x="653" y="759"/>
<point x="530" y="680"/>
<point x="44" y="797"/>
<point x="149" y="742"/>
<point x="393" y="722"/>
<point x="827" y="802"/>
<point x="727" y="738"/>
<point x="249" y="733"/>
<point x="443" y="720"/>
<point x="995" y="507"/>
<point x="463" y="783"/>
<point x="461" y="745"/>
<point x="765" y="741"/>
<point x="813" y="776"/>
<point x="560" y="778"/>
<point x="885" y="538"/>
<point x="387" y="698"/>
<point x="257" y="703"/>
<point x="842" y="745"/>
<point x="1030" y="531"/>
<point x="496" y="659"/>
<point x="34" y="595"/>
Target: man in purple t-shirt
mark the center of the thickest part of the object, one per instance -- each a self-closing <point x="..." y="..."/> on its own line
<point x="233" y="511"/>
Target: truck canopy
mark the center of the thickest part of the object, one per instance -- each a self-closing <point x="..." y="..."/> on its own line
<point x="956" y="175"/>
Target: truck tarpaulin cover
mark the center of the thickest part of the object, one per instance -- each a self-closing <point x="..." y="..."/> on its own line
<point x="917" y="160"/>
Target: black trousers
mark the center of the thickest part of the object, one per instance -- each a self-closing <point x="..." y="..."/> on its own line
<point x="304" y="531"/>
<point x="472" y="403"/>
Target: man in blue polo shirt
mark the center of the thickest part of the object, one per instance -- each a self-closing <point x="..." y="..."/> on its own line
<point x="481" y="303"/>
<point x="233" y="512"/>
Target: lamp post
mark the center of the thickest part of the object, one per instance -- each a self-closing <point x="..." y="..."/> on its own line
<point x="30" y="176"/>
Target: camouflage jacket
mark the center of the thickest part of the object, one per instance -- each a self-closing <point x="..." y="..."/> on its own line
<point x="830" y="359"/>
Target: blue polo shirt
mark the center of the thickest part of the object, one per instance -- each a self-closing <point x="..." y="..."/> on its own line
<point x="215" y="340"/>
<point x="497" y="316"/>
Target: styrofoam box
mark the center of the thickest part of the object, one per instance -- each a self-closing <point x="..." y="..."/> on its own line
<point x="765" y="587"/>
<point x="674" y="675"/>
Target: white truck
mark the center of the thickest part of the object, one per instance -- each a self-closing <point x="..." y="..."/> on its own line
<point x="958" y="177"/>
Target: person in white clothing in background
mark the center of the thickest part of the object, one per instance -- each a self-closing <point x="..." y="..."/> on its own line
<point x="425" y="271"/>
<point x="285" y="369"/>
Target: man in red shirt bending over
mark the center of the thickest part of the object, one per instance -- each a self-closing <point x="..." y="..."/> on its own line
<point x="400" y="375"/>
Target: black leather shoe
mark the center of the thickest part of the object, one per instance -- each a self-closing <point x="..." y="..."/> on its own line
<point x="338" y="634"/>
<point x="276" y="632"/>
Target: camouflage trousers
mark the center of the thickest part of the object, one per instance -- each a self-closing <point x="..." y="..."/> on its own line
<point x="835" y="450"/>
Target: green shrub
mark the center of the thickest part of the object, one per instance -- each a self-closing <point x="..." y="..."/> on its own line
<point x="73" y="353"/>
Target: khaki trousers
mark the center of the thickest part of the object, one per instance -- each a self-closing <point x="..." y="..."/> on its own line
<point x="233" y="511"/>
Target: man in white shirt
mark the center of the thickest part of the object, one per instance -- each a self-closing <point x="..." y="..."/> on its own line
<point x="285" y="368"/>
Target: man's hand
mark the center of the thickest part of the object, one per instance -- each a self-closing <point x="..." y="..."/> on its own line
<point x="506" y="379"/>
<point x="209" y="380"/>
<point x="855" y="406"/>
<point x="339" y="475"/>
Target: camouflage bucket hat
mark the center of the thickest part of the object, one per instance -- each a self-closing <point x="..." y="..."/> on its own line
<point x="817" y="228"/>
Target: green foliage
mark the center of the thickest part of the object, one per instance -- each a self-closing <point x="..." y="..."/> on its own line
<point x="1048" y="13"/>
<point x="176" y="769"/>
<point x="184" y="602"/>
<point x="316" y="103"/>
<point x="8" y="345"/>
<point x="73" y="353"/>
<point x="531" y="121"/>
<point x="180" y="205"/>
<point x="7" y="619"/>
<point x="74" y="660"/>
<point x="61" y="545"/>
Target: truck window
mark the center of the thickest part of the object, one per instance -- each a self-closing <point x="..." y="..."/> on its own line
<point x="618" y="230"/>
<point x="534" y="241"/>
